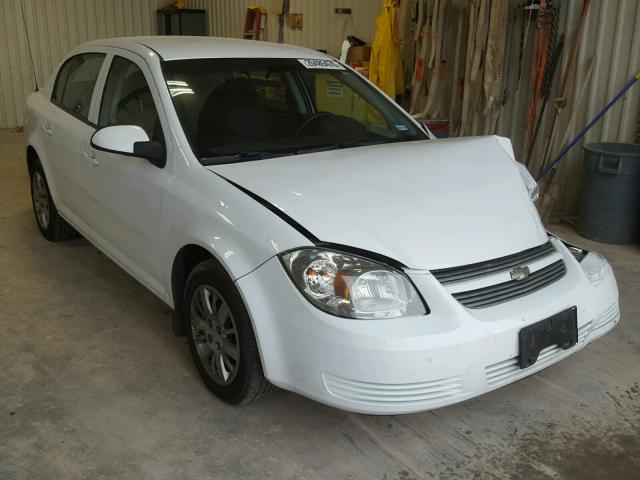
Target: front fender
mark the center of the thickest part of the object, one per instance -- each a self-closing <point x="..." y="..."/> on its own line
<point x="202" y="209"/>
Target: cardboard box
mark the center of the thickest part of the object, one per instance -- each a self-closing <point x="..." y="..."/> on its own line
<point x="358" y="54"/>
<point x="294" y="20"/>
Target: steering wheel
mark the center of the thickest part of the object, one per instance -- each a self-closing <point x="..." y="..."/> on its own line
<point x="312" y="119"/>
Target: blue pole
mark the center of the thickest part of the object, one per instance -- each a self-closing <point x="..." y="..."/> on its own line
<point x="583" y="132"/>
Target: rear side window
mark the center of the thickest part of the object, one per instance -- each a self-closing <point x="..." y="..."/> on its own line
<point x="75" y="83"/>
<point x="127" y="99"/>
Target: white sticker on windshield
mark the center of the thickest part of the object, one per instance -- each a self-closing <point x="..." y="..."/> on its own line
<point x="322" y="63"/>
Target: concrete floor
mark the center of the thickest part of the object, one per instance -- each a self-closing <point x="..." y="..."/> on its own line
<point x="93" y="385"/>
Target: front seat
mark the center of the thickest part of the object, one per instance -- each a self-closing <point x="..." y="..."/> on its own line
<point x="232" y="114"/>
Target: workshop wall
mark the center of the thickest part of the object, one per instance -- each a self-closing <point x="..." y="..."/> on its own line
<point x="55" y="27"/>
<point x="322" y="27"/>
<point x="612" y="42"/>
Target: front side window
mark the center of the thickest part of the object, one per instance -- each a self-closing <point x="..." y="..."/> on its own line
<point x="75" y="83"/>
<point x="237" y="109"/>
<point x="127" y="99"/>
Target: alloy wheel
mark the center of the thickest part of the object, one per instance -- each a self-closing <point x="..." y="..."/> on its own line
<point x="215" y="335"/>
<point x="40" y="200"/>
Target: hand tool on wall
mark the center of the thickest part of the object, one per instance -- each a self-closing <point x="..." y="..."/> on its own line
<point x="560" y="102"/>
<point x="542" y="38"/>
<point x="545" y="93"/>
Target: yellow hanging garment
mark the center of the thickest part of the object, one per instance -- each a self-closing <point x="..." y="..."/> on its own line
<point x="385" y="69"/>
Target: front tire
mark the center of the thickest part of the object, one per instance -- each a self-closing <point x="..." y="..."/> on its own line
<point x="52" y="226"/>
<point x="221" y="337"/>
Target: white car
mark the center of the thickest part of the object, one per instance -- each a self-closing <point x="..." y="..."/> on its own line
<point x="306" y="231"/>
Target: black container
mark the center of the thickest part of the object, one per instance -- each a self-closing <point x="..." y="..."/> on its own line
<point x="182" y="21"/>
<point x="610" y="202"/>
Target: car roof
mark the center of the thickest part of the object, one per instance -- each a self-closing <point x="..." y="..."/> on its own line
<point x="184" y="47"/>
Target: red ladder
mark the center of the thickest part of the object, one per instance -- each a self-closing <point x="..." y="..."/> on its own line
<point x="255" y="25"/>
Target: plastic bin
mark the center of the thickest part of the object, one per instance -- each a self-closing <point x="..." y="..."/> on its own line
<point x="610" y="200"/>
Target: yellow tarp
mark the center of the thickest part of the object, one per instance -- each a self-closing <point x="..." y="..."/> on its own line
<point x="385" y="69"/>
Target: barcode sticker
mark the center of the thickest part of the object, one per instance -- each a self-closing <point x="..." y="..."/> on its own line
<point x="322" y="63"/>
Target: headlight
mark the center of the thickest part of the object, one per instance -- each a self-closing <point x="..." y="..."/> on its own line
<point x="349" y="286"/>
<point x="529" y="181"/>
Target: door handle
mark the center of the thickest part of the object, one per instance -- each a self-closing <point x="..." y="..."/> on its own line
<point x="90" y="158"/>
<point x="47" y="128"/>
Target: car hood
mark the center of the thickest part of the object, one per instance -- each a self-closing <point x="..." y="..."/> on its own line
<point x="427" y="204"/>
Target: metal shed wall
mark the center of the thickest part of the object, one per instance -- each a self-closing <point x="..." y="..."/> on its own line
<point x="611" y="39"/>
<point x="56" y="26"/>
<point x="322" y="27"/>
<point x="612" y="36"/>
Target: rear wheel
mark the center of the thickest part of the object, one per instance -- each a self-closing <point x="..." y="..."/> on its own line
<point x="52" y="226"/>
<point x="221" y="337"/>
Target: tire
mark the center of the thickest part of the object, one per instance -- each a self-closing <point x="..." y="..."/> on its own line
<point x="52" y="226"/>
<point x="221" y="337"/>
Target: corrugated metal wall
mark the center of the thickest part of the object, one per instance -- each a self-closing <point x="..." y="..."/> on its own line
<point x="611" y="40"/>
<point x="612" y="37"/>
<point x="56" y="26"/>
<point x="322" y="28"/>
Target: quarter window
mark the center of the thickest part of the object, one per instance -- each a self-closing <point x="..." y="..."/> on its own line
<point x="127" y="99"/>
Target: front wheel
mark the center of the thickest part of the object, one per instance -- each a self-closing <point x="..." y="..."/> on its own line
<point x="221" y="337"/>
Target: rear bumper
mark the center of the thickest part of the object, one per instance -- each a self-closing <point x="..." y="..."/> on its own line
<point x="415" y="363"/>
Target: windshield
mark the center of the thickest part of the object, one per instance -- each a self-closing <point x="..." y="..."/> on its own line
<point x="250" y="108"/>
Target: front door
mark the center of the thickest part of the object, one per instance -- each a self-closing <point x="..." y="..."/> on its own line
<point x="123" y="194"/>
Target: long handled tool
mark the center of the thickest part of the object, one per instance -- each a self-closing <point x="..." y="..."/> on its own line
<point x="584" y="131"/>
<point x="546" y="92"/>
<point x="547" y="188"/>
<point x="560" y="102"/>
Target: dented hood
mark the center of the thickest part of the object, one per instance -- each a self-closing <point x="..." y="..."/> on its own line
<point x="427" y="204"/>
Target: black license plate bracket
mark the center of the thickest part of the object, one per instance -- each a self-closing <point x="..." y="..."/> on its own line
<point x="560" y="329"/>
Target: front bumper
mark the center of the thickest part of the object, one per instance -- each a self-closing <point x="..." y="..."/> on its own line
<point x="415" y="363"/>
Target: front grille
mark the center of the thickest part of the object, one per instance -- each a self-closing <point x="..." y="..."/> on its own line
<point x="502" y="292"/>
<point x="474" y="270"/>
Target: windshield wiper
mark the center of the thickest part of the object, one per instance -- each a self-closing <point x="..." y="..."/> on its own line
<point x="240" y="157"/>
<point x="338" y="146"/>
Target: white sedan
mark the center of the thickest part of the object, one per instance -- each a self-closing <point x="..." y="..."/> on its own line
<point x="306" y="231"/>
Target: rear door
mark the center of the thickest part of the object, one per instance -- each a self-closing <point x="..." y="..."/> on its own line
<point x="123" y="193"/>
<point x="66" y="122"/>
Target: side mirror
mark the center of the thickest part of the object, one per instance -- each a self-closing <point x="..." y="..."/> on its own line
<point x="129" y="140"/>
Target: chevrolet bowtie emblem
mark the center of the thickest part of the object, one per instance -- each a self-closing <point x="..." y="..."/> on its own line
<point x="520" y="273"/>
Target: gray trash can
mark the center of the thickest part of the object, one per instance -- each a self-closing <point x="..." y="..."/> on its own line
<point x="610" y="202"/>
